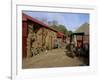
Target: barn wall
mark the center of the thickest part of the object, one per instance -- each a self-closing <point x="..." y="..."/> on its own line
<point x="50" y="39"/>
<point x="43" y="38"/>
<point x="29" y="40"/>
<point x="36" y="37"/>
<point x="24" y="39"/>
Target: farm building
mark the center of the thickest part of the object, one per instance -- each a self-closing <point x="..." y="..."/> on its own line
<point x="37" y="36"/>
<point x="60" y="39"/>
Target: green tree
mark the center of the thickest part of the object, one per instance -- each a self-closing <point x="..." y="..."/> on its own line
<point x="63" y="29"/>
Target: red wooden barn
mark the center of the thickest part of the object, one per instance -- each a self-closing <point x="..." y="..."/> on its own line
<point x="36" y="24"/>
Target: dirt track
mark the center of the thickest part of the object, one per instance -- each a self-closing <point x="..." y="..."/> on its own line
<point x="53" y="58"/>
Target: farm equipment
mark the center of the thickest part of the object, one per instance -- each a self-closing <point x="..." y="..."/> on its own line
<point x="77" y="45"/>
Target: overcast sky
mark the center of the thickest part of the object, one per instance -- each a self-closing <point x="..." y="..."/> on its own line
<point x="71" y="20"/>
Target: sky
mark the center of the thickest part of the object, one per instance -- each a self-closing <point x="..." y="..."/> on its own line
<point x="70" y="20"/>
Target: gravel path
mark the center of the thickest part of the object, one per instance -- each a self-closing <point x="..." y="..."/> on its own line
<point x="53" y="58"/>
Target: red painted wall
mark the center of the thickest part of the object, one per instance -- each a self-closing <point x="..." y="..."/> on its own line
<point x="24" y="39"/>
